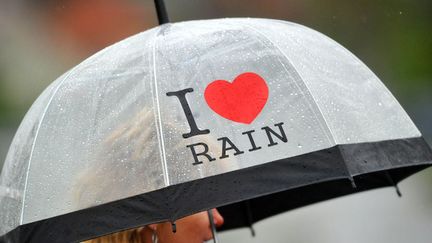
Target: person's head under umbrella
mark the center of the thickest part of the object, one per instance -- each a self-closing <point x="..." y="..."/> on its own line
<point x="96" y="184"/>
<point x="195" y="228"/>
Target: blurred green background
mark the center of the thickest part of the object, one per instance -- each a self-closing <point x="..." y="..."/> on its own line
<point x="41" y="39"/>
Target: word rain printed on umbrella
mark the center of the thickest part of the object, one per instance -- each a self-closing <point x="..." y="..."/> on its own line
<point x="240" y="101"/>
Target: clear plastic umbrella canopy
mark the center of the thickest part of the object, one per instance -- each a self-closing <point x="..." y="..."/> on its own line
<point x="193" y="115"/>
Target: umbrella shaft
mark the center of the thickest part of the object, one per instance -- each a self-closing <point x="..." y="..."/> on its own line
<point x="212" y="224"/>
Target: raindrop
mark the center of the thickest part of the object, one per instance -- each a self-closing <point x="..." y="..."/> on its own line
<point x="299" y="146"/>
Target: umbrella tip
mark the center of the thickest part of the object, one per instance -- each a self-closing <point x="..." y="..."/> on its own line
<point x="161" y="12"/>
<point x="398" y="192"/>
<point x="353" y="184"/>
<point x="391" y="181"/>
<point x="252" y="231"/>
<point x="174" y="227"/>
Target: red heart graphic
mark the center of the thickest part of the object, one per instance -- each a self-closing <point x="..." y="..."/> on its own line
<point x="239" y="101"/>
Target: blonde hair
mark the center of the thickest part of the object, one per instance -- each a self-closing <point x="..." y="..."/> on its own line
<point x="136" y="134"/>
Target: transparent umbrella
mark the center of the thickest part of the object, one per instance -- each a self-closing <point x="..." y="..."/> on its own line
<point x="258" y="116"/>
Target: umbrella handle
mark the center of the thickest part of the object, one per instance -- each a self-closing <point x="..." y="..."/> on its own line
<point x="213" y="227"/>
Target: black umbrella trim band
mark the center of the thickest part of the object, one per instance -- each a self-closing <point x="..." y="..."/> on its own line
<point x="244" y="196"/>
